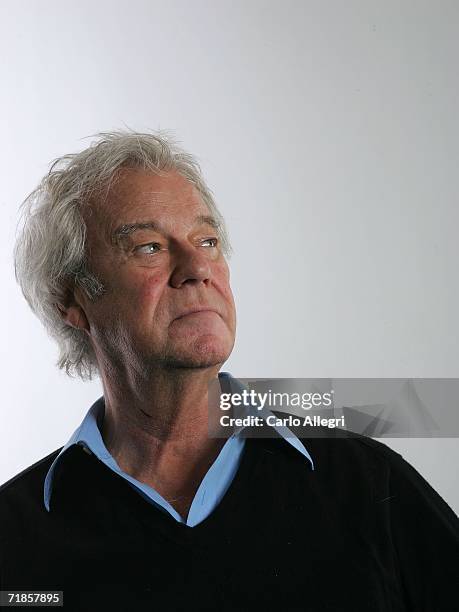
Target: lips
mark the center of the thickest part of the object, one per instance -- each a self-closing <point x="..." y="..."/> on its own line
<point x="197" y="310"/>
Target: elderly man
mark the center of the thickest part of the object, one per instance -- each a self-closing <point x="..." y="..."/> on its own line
<point x="123" y="256"/>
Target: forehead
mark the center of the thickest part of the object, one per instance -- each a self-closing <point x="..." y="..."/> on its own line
<point x="139" y="195"/>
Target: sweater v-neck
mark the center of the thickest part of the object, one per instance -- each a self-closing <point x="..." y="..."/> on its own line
<point x="99" y="484"/>
<point x="222" y="512"/>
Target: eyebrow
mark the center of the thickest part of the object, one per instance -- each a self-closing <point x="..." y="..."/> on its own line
<point x="125" y="230"/>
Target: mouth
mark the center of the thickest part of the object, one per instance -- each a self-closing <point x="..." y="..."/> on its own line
<point x="197" y="311"/>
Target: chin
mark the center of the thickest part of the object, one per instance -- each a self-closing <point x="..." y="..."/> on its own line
<point x="204" y="352"/>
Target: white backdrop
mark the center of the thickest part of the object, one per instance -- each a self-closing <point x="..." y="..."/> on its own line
<point x="328" y="133"/>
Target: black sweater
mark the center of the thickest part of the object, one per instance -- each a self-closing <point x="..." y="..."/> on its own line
<point x="362" y="532"/>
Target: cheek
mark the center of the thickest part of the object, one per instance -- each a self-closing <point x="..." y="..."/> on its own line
<point x="221" y="273"/>
<point x="150" y="289"/>
<point x="227" y="292"/>
<point x="222" y="282"/>
<point x="146" y="295"/>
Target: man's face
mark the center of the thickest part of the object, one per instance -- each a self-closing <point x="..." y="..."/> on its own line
<point x="152" y="244"/>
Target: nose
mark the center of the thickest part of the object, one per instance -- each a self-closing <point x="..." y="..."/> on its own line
<point x="191" y="265"/>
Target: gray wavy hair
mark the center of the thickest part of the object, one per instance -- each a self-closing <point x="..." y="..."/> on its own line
<point x="50" y="254"/>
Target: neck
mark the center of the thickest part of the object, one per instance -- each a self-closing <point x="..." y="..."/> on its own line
<point x="156" y="428"/>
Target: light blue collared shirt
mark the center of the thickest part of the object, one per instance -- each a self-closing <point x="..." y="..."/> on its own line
<point x="214" y="484"/>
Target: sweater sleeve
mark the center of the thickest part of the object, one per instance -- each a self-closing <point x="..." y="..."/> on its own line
<point x="425" y="533"/>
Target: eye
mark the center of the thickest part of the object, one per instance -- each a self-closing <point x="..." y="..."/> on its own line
<point x="213" y="240"/>
<point x="147" y="249"/>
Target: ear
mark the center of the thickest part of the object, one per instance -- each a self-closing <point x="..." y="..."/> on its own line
<point x="72" y="312"/>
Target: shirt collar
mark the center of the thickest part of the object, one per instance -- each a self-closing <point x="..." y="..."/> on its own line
<point x="86" y="435"/>
<point x="89" y="437"/>
<point x="237" y="387"/>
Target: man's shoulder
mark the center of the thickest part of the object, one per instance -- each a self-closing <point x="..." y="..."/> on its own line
<point x="342" y="443"/>
<point x="29" y="480"/>
<point x="353" y="455"/>
<point x="371" y="446"/>
<point x="349" y="456"/>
